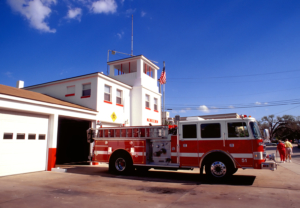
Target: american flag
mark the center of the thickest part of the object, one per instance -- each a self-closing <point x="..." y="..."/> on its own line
<point x="163" y="76"/>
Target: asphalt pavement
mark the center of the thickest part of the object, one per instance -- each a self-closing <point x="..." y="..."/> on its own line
<point x="93" y="186"/>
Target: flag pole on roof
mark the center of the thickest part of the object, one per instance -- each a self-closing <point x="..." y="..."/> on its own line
<point x="162" y="81"/>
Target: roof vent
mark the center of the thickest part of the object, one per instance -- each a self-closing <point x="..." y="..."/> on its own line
<point x="20" y="84"/>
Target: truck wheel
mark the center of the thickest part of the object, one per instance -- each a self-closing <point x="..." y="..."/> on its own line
<point x="234" y="170"/>
<point x="120" y="164"/>
<point x="219" y="168"/>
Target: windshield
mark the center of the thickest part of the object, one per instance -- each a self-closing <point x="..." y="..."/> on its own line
<point x="255" y="130"/>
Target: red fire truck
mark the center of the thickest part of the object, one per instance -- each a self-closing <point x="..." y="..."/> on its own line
<point x="220" y="146"/>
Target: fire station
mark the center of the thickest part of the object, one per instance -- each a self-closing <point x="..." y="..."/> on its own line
<point x="45" y="124"/>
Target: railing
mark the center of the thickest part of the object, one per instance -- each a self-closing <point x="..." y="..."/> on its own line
<point x="147" y="132"/>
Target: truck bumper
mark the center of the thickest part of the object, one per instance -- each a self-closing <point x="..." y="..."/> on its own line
<point x="271" y="165"/>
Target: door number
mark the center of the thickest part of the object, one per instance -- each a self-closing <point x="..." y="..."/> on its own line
<point x="244" y="160"/>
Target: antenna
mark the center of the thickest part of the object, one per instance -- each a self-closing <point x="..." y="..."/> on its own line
<point x="131" y="35"/>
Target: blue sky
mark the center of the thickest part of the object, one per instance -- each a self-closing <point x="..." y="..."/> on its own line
<point x="221" y="56"/>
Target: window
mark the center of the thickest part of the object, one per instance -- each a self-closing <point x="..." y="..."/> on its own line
<point x="86" y="90"/>
<point x="31" y="136"/>
<point x="107" y="91"/>
<point x="255" y="130"/>
<point x="42" y="136"/>
<point x="211" y="130"/>
<point x="20" y="136"/>
<point x="8" y="136"/>
<point x="119" y="97"/>
<point x="237" y="129"/>
<point x="70" y="91"/>
<point x="189" y="131"/>
<point x="147" y="103"/>
<point x="155" y="105"/>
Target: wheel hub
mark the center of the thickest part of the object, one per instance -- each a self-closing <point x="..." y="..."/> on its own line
<point x="120" y="164"/>
<point x="218" y="169"/>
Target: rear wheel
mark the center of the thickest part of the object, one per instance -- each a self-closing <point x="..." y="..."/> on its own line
<point x="219" y="168"/>
<point x="120" y="164"/>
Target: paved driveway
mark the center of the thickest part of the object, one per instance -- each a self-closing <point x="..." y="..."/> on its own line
<point x="87" y="186"/>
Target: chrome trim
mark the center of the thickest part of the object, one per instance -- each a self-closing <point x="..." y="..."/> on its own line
<point x="258" y="156"/>
<point x="120" y="164"/>
<point x="212" y="151"/>
<point x="218" y="169"/>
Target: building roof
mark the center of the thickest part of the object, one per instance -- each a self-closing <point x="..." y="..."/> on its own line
<point x="70" y="78"/>
<point x="16" y="92"/>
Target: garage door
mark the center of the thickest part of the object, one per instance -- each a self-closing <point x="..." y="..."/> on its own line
<point x="23" y="142"/>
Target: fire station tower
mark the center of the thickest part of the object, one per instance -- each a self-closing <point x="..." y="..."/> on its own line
<point x="140" y="73"/>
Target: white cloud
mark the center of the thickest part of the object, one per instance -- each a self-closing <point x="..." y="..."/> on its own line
<point x="122" y="1"/>
<point x="129" y="12"/>
<point x="120" y="35"/>
<point x="231" y="106"/>
<point x="8" y="74"/>
<point x="104" y="6"/>
<point x="257" y="103"/>
<point x="74" y="14"/>
<point x="35" y="11"/>
<point x="182" y="111"/>
<point x="203" y="108"/>
<point x="143" y="14"/>
<point x="266" y="103"/>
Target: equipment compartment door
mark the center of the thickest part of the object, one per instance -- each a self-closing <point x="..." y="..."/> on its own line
<point x="101" y="151"/>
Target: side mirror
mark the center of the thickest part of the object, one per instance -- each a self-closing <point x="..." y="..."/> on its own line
<point x="90" y="134"/>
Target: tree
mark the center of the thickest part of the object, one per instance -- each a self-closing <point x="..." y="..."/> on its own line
<point x="285" y="127"/>
<point x="271" y="123"/>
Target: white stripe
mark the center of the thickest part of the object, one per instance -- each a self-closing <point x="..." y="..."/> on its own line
<point x="140" y="153"/>
<point x="100" y="152"/>
<point x="174" y="154"/>
<point x="242" y="155"/>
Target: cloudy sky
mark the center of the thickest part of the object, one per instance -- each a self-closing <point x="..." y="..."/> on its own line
<point x="221" y="56"/>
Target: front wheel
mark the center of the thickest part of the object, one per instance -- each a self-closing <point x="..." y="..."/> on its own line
<point x="120" y="164"/>
<point x="219" y="168"/>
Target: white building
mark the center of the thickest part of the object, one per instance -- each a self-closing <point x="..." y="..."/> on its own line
<point x="46" y="124"/>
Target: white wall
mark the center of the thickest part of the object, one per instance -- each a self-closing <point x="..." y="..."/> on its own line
<point x="106" y="109"/>
<point x="59" y="90"/>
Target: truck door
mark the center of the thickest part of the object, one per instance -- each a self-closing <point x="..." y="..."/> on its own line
<point x="239" y="143"/>
<point x="212" y="136"/>
<point x="188" y="137"/>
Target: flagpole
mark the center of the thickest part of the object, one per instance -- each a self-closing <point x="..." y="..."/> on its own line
<point x="165" y="115"/>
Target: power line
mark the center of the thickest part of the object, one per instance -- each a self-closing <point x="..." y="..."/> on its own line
<point x="235" y="106"/>
<point x="244" y="81"/>
<point x="245" y="94"/>
<point x="235" y="76"/>
<point x="287" y="110"/>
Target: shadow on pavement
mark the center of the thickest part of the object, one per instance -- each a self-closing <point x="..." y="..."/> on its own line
<point x="163" y="176"/>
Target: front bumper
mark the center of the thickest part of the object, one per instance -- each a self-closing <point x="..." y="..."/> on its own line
<point x="271" y="165"/>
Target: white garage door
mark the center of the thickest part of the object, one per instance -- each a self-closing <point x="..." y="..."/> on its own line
<point x="23" y="142"/>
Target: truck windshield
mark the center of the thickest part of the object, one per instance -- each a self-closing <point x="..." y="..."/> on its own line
<point x="255" y="130"/>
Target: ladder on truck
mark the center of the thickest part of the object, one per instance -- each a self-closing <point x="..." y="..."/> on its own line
<point x="144" y="132"/>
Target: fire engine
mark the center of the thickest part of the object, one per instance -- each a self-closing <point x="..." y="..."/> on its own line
<point x="219" y="146"/>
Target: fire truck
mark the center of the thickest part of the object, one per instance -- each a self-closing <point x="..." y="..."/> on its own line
<point x="219" y="146"/>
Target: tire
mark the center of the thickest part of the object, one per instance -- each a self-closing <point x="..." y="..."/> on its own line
<point x="219" y="167"/>
<point x="234" y="170"/>
<point x="121" y="164"/>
